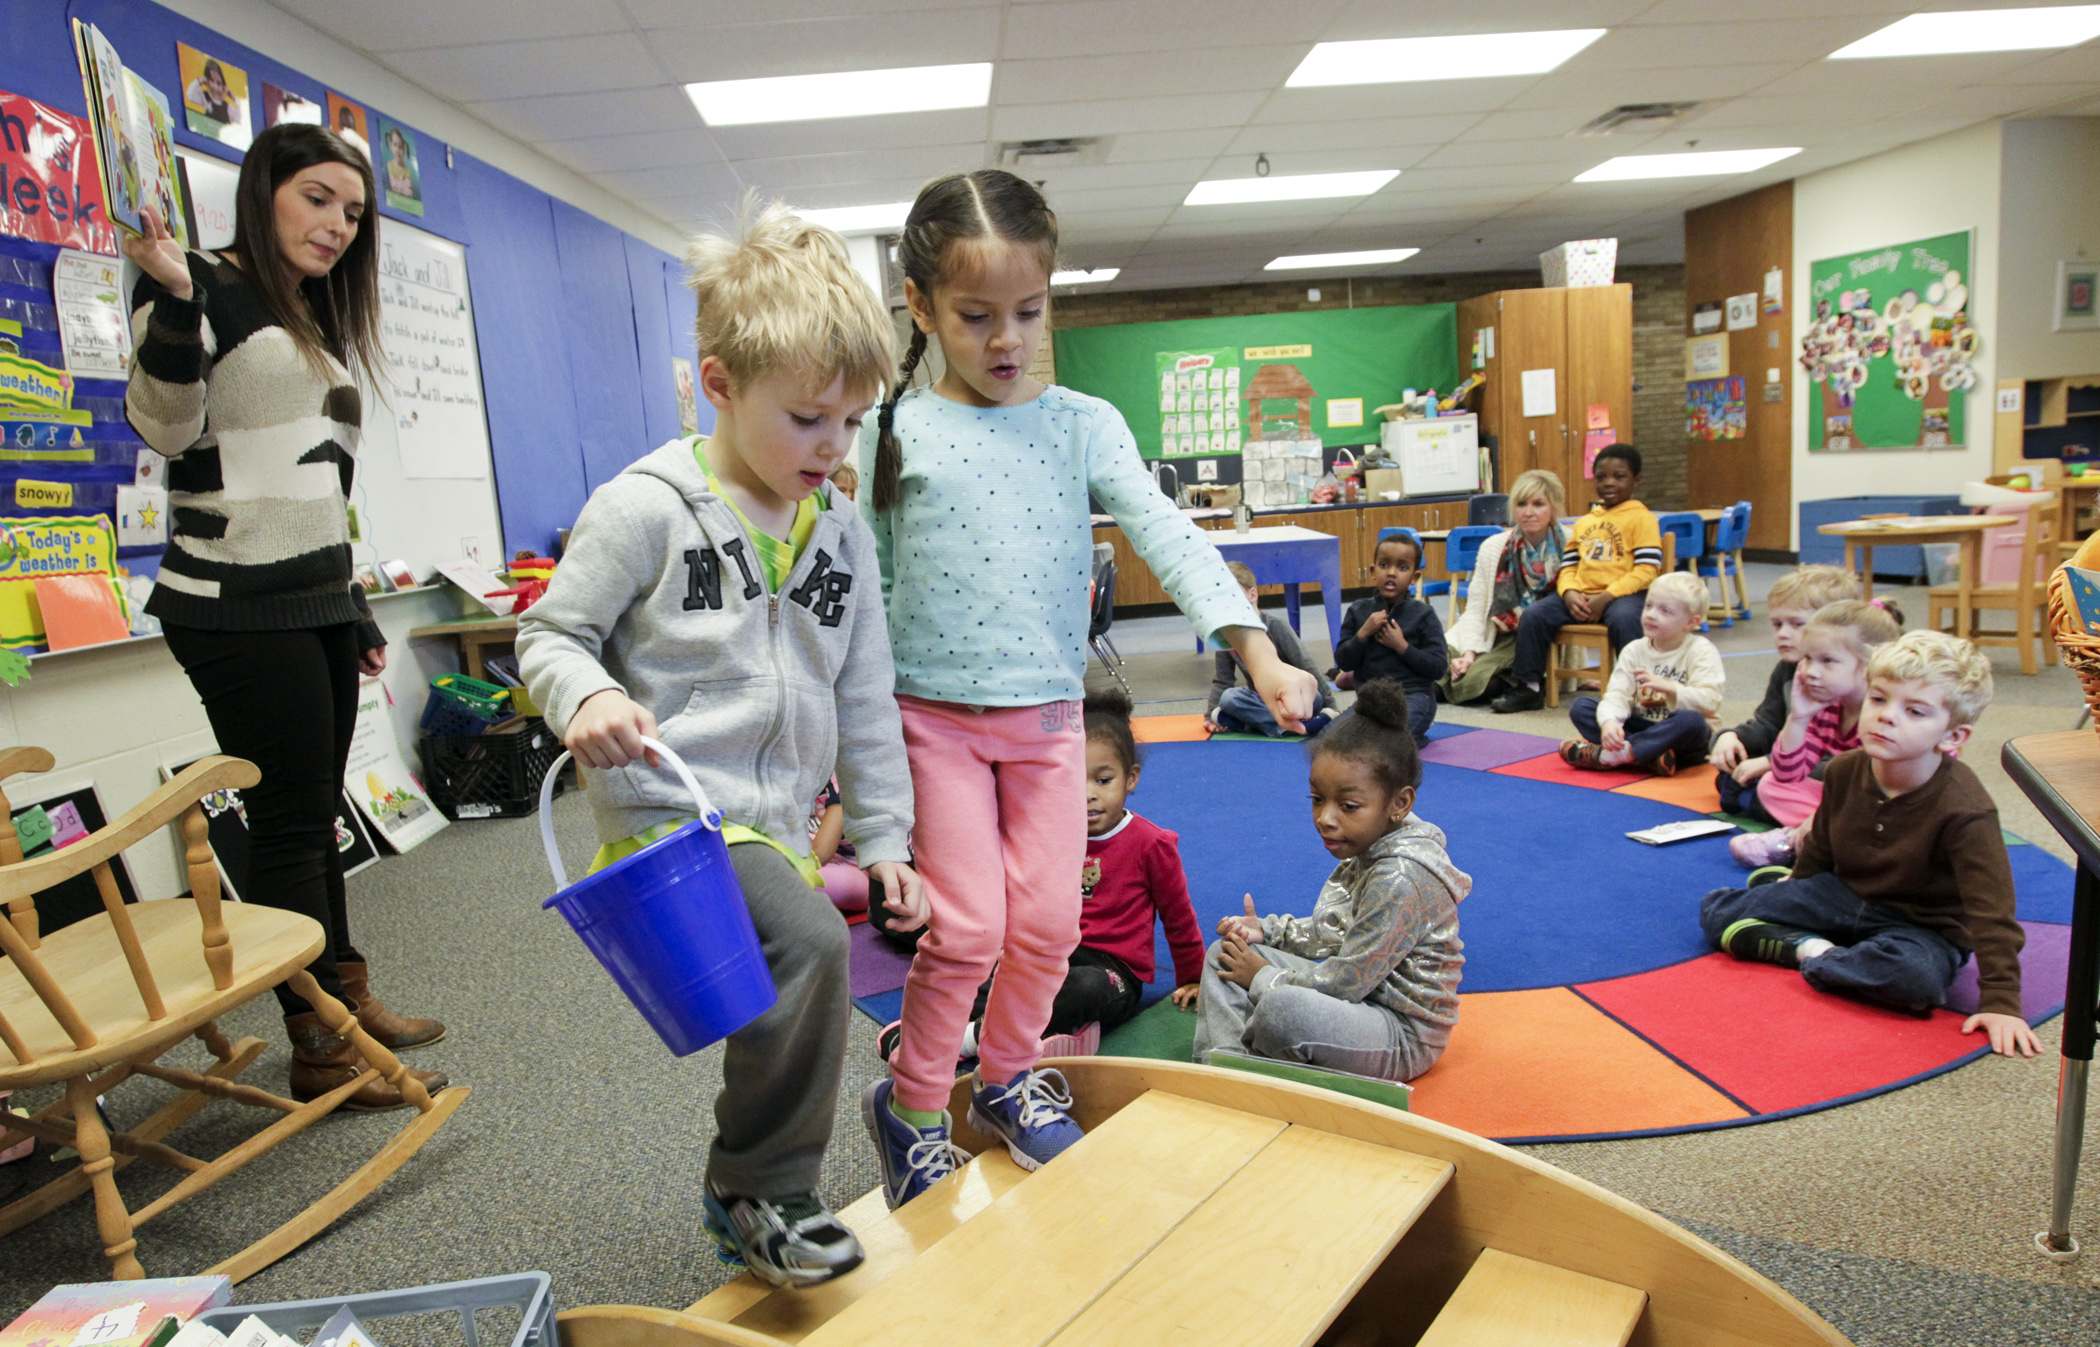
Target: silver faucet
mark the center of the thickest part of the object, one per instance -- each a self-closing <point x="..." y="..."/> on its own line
<point x="1161" y="465"/>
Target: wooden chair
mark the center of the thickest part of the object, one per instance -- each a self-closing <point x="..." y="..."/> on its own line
<point x="1581" y="638"/>
<point x="104" y="999"/>
<point x="2026" y="597"/>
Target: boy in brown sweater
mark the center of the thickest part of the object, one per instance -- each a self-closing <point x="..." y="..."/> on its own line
<point x="1904" y="874"/>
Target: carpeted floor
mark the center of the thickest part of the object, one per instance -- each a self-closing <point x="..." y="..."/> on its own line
<point x="1905" y="1219"/>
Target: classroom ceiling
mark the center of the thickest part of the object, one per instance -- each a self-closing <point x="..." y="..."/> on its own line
<point x="1189" y="90"/>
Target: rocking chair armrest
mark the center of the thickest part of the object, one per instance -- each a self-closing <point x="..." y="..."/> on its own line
<point x="151" y="814"/>
<point x="24" y="758"/>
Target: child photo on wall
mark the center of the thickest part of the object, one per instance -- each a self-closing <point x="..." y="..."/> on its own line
<point x="282" y="105"/>
<point x="398" y="167"/>
<point x="214" y="97"/>
<point x="347" y="120"/>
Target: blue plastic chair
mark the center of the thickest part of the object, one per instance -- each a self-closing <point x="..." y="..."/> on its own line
<point x="1461" y="555"/>
<point x="1730" y="534"/>
<point x="1691" y="535"/>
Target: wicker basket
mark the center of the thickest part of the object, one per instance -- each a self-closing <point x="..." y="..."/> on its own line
<point x="2081" y="648"/>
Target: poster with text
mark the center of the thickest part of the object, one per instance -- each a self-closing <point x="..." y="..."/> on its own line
<point x="1199" y="394"/>
<point x="395" y="806"/>
<point x="1889" y="349"/>
<point x="54" y="186"/>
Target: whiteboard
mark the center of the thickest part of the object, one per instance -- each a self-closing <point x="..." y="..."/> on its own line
<point x="424" y="484"/>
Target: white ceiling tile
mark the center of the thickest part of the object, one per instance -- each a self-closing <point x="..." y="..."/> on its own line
<point x="1187" y="226"/>
<point x="1142" y="219"/>
<point x="1705" y="11"/>
<point x="1099" y="27"/>
<point x="570" y="65"/>
<point x="1076" y="79"/>
<point x="1142" y="197"/>
<point x="650" y="149"/>
<point x="1112" y="116"/>
<point x="574" y="116"/>
<point x="1185" y="172"/>
<point x="1581" y="151"/>
<point x="694" y="180"/>
<point x="873" y="192"/>
<point x="816" y="46"/>
<point x="1752" y="41"/>
<point x="688" y="13"/>
<point x="398" y="25"/>
<point x="2007" y="100"/>
<point x="1363" y="19"/>
<point x="1598" y="92"/>
<point x="904" y="129"/>
<point x="780" y="175"/>
<point x="1864" y="82"/>
<point x="1531" y="124"/>
<point x="1369" y="133"/>
<point x="2077" y="64"/>
<point x="1357" y="102"/>
<point x="1139" y="147"/>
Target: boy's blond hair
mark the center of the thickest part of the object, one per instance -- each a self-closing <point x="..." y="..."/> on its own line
<point x="1241" y="574"/>
<point x="1865" y="625"/>
<point x="1812" y="587"/>
<point x="1684" y="587"/>
<point x="779" y="294"/>
<point x="1954" y="666"/>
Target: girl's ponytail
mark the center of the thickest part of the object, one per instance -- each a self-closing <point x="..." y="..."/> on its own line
<point x="888" y="453"/>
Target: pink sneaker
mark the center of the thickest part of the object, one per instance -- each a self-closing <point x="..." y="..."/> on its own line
<point x="1085" y="1043"/>
<point x="1754" y="851"/>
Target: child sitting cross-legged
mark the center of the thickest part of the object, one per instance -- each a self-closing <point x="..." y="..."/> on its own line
<point x="1233" y="707"/>
<point x="1368" y="983"/>
<point x="1665" y="691"/>
<point x="1394" y="636"/>
<point x="1823" y="702"/>
<point x="1903" y="874"/>
<point x="1742" y="755"/>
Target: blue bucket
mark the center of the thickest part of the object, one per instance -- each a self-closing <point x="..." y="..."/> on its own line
<point x="669" y="923"/>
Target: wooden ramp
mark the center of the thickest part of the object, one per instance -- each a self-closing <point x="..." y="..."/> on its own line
<point x="1206" y="1207"/>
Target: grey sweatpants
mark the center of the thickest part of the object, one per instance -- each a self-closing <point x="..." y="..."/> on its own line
<point x="780" y="1074"/>
<point x="1298" y="1024"/>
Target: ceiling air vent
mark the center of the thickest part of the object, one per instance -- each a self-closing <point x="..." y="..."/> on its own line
<point x="1637" y="117"/>
<point x="1047" y="156"/>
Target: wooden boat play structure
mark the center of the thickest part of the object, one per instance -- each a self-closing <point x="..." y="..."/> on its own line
<point x="1214" y="1206"/>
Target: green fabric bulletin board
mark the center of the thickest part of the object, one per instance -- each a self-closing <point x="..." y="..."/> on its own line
<point x="1888" y="353"/>
<point x="1369" y="354"/>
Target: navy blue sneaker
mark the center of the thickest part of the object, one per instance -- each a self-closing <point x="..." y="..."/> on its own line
<point x="913" y="1158"/>
<point x="792" y="1241"/>
<point x="1028" y="1115"/>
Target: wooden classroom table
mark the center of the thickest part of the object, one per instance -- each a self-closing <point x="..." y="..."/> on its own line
<point x="1289" y="556"/>
<point x="2060" y="773"/>
<point x="475" y="635"/>
<point x="1865" y="535"/>
<point x="2077" y="493"/>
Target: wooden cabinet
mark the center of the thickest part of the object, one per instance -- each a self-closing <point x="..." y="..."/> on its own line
<point x="1585" y="336"/>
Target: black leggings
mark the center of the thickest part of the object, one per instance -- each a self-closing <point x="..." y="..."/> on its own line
<point x="286" y="701"/>
<point x="1098" y="987"/>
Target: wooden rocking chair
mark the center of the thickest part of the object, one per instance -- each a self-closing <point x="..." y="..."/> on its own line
<point x="104" y="999"/>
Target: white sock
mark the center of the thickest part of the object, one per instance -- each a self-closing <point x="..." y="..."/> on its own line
<point x="1532" y="683"/>
<point x="1811" y="947"/>
<point x="969" y="1043"/>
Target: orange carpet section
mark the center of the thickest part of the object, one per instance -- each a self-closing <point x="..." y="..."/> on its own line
<point x="1168" y="729"/>
<point x="1692" y="789"/>
<point x="1550" y="768"/>
<point x="1546" y="1063"/>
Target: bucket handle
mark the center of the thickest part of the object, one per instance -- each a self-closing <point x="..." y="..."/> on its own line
<point x="709" y="815"/>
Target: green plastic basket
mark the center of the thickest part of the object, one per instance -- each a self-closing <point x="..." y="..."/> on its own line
<point x="460" y="705"/>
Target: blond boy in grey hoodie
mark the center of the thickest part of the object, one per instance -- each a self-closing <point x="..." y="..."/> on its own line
<point x="718" y="597"/>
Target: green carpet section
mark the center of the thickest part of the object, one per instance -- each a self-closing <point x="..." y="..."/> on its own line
<point x="1392" y="1094"/>
<point x="1162" y="1032"/>
<point x="1743" y="821"/>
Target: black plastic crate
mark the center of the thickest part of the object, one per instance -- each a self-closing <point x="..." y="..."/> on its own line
<point x="494" y="775"/>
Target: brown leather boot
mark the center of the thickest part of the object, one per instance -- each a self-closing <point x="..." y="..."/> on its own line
<point x="323" y="1061"/>
<point x="386" y="1028"/>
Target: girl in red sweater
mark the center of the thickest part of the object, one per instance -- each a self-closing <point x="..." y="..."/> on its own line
<point x="1131" y="877"/>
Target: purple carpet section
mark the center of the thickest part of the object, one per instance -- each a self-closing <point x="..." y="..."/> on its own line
<point x="2044" y="964"/>
<point x="875" y="965"/>
<point x="1485" y="750"/>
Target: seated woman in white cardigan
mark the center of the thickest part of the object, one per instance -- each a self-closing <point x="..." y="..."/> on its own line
<point x="1512" y="570"/>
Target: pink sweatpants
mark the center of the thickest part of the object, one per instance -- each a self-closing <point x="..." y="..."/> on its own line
<point x="1000" y="798"/>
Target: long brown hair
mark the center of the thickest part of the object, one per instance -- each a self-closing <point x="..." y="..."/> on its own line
<point x="336" y="314"/>
<point x="990" y="202"/>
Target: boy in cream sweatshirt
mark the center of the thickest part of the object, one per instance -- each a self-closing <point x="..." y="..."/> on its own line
<point x="1664" y="699"/>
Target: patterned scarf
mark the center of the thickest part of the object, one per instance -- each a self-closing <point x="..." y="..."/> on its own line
<point x="1524" y="574"/>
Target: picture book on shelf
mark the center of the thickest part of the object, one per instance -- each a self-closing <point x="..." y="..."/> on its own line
<point x="113" y="1314"/>
<point x="134" y="137"/>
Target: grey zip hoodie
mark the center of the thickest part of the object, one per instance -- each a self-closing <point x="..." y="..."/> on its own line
<point x="661" y="596"/>
<point x="1385" y="930"/>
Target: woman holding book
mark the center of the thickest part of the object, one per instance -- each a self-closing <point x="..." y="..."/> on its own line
<point x="242" y="378"/>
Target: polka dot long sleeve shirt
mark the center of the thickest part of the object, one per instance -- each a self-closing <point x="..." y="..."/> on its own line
<point x="986" y="557"/>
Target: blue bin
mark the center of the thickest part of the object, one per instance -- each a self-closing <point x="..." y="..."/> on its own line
<point x="670" y="924"/>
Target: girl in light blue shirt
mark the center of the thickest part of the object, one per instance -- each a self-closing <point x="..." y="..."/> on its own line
<point x="984" y="540"/>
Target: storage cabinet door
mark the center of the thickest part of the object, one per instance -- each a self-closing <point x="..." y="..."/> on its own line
<point x="1533" y="335"/>
<point x="1599" y="372"/>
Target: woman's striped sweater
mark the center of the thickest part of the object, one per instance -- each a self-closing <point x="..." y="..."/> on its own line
<point x="262" y="449"/>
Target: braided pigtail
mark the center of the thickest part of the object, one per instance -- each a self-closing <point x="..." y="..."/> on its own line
<point x="889" y="454"/>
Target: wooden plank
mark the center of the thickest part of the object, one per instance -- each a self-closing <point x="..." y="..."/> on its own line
<point x="1273" y="1256"/>
<point x="1045" y="1250"/>
<point x="890" y="1240"/>
<point x="1507" y="1301"/>
<point x="1728" y="248"/>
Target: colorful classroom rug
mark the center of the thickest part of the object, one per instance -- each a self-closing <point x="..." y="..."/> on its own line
<point x="1591" y="1006"/>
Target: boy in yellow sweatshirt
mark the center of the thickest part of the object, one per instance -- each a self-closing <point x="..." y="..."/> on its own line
<point x="1612" y="554"/>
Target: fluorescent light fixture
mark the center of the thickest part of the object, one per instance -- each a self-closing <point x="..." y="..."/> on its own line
<point x="1297" y="187"/>
<point x="1094" y="277"/>
<point x="1372" y="258"/>
<point x="846" y="93"/>
<point x="1699" y="164"/>
<point x="860" y="219"/>
<point x="1395" y="60"/>
<point x="1967" y="30"/>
